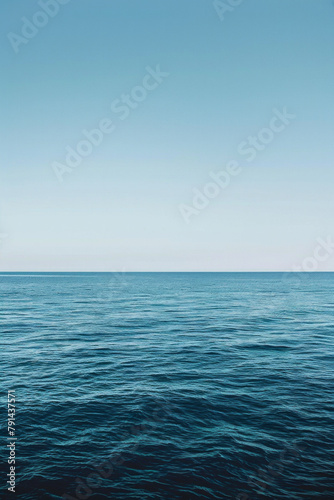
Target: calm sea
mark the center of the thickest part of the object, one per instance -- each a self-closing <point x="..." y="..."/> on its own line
<point x="169" y="385"/>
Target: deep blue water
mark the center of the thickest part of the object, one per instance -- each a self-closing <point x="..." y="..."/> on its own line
<point x="189" y="386"/>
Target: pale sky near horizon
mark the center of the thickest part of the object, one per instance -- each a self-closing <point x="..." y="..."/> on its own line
<point x="223" y="81"/>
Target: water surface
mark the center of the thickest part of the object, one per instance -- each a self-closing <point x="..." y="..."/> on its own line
<point x="187" y="385"/>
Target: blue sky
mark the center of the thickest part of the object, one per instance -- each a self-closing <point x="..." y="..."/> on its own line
<point x="119" y="209"/>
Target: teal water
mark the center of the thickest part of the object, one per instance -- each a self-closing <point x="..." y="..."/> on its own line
<point x="169" y="385"/>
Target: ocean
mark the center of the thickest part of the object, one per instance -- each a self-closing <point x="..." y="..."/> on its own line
<point x="149" y="386"/>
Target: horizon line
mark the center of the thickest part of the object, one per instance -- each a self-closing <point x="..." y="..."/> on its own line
<point x="164" y="272"/>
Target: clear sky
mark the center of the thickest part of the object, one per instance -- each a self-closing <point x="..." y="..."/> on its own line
<point x="181" y="89"/>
